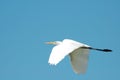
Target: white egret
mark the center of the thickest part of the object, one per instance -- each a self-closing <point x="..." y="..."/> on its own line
<point x="77" y="51"/>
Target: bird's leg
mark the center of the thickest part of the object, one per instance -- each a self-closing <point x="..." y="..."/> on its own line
<point x="104" y="50"/>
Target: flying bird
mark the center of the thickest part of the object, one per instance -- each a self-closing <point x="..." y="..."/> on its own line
<point x="77" y="51"/>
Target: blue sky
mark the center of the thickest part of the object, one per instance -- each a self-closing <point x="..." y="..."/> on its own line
<point x="26" y="24"/>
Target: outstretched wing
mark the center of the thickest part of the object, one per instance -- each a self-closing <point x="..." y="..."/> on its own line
<point x="79" y="60"/>
<point x="58" y="53"/>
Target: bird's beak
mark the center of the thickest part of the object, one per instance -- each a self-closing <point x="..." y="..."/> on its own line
<point x="49" y="42"/>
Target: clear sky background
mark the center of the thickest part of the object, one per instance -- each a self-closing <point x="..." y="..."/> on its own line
<point x="26" y="24"/>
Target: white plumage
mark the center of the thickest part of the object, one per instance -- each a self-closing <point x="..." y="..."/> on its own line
<point x="78" y="56"/>
<point x="79" y="60"/>
<point x="77" y="51"/>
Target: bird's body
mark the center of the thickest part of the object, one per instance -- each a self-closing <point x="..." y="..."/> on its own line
<point x="77" y="51"/>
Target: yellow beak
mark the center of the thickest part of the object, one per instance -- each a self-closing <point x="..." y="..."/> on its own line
<point x="50" y="43"/>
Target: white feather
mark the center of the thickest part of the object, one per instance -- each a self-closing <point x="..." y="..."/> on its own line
<point x="77" y="51"/>
<point x="63" y="49"/>
<point x="79" y="60"/>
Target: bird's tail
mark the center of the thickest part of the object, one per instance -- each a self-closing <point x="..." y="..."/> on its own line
<point x="104" y="50"/>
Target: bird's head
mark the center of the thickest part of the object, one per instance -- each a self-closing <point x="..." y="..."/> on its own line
<point x="54" y="42"/>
